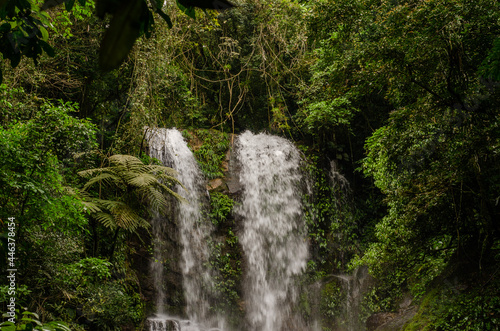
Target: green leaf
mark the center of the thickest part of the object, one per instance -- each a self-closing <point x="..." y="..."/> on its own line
<point x="69" y="4"/>
<point x="5" y="27"/>
<point x="45" y="33"/>
<point x="5" y="327"/>
<point x="31" y="320"/>
<point x="57" y="326"/>
<point x="47" y="48"/>
<point x="165" y="17"/>
<point x="124" y="29"/>
<point x="30" y="313"/>
<point x="189" y="11"/>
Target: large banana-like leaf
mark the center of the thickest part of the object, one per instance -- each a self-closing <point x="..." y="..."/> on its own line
<point x="124" y="29"/>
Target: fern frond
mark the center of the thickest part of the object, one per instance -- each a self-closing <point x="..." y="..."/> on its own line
<point x="108" y="178"/>
<point x="141" y="180"/>
<point x="156" y="199"/>
<point x="173" y="193"/>
<point x="106" y="219"/>
<point x="90" y="172"/>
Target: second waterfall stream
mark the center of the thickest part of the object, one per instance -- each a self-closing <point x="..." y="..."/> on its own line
<point x="272" y="234"/>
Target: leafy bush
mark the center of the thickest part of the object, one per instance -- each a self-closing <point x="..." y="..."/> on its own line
<point x="110" y="306"/>
<point x="31" y="321"/>
<point x="212" y="153"/>
<point x="220" y="207"/>
<point x="470" y="312"/>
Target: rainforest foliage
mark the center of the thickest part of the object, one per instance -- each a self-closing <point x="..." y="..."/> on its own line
<point x="395" y="105"/>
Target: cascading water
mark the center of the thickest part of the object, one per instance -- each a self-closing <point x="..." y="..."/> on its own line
<point x="168" y="146"/>
<point x="274" y="234"/>
<point x="354" y="285"/>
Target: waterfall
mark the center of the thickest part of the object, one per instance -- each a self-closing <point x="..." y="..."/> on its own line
<point x="354" y="286"/>
<point x="274" y="237"/>
<point x="168" y="146"/>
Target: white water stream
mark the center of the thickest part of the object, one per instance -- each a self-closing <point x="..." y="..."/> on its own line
<point x="274" y="235"/>
<point x="168" y="146"/>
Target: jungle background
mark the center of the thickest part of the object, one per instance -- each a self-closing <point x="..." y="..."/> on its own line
<point x="400" y="97"/>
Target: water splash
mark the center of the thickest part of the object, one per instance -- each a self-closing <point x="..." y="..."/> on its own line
<point x="162" y="322"/>
<point x="274" y="235"/>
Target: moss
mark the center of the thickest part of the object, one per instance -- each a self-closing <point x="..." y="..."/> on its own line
<point x="468" y="301"/>
<point x="331" y="302"/>
<point x="423" y="318"/>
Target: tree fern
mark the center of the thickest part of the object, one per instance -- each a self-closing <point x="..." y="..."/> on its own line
<point x="131" y="188"/>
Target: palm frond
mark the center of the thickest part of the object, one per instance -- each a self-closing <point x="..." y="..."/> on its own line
<point x="107" y="204"/>
<point x="113" y="214"/>
<point x="167" y="179"/>
<point x="152" y="168"/>
<point x="91" y="206"/>
<point x="129" y="162"/>
<point x="85" y="199"/>
<point x="126" y="218"/>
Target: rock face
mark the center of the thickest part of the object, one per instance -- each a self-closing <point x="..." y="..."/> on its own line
<point x="230" y="183"/>
<point x="216" y="184"/>
<point x="390" y="321"/>
<point x="378" y="319"/>
<point x="141" y="259"/>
